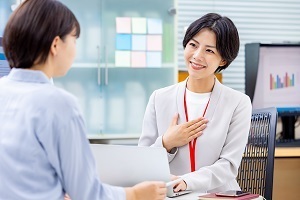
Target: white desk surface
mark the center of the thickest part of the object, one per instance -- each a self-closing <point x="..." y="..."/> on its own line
<point x="194" y="196"/>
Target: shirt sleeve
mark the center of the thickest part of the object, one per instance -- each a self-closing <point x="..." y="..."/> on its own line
<point x="226" y="168"/>
<point x="64" y="141"/>
<point x="150" y="136"/>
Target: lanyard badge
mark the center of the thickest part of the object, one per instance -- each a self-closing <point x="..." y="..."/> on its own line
<point x="192" y="144"/>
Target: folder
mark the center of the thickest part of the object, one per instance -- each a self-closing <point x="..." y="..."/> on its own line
<point x="213" y="196"/>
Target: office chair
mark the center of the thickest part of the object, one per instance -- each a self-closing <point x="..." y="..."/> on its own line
<point x="256" y="170"/>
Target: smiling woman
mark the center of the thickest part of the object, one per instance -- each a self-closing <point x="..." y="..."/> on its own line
<point x="207" y="135"/>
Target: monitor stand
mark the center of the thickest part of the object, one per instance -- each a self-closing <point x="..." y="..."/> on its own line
<point x="288" y="127"/>
<point x="288" y="133"/>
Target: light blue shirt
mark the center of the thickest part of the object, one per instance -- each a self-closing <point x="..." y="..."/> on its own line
<point x="44" y="151"/>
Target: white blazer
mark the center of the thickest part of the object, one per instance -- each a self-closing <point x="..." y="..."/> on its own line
<point x="218" y="151"/>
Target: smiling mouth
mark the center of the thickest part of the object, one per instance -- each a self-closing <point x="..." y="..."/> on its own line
<point x="196" y="66"/>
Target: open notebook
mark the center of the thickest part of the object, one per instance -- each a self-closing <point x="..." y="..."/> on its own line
<point x="126" y="166"/>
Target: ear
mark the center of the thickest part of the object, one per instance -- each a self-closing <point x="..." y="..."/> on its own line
<point x="54" y="46"/>
<point x="222" y="63"/>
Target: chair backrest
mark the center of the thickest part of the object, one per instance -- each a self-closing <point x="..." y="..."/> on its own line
<point x="257" y="166"/>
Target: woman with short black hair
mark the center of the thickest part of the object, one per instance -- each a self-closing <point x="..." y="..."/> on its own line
<point x="207" y="136"/>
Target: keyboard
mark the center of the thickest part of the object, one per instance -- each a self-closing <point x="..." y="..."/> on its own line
<point x="287" y="143"/>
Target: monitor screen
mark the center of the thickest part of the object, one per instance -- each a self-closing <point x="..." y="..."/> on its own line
<point x="272" y="74"/>
<point x="278" y="78"/>
<point x="4" y="67"/>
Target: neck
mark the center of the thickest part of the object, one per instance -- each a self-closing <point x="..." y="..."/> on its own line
<point x="44" y="68"/>
<point x="200" y="85"/>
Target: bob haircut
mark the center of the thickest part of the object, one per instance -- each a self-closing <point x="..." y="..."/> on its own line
<point x="32" y="28"/>
<point x="227" y="36"/>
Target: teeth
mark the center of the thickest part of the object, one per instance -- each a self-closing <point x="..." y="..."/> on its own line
<point x="196" y="65"/>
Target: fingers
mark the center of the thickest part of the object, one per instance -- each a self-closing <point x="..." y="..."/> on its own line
<point x="197" y="132"/>
<point x="180" y="186"/>
<point x="147" y="190"/>
<point x="162" y="190"/>
<point x="195" y="121"/>
<point x="194" y="136"/>
<point x="67" y="197"/>
<point x="160" y="184"/>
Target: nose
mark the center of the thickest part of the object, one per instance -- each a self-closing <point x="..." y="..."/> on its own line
<point x="198" y="54"/>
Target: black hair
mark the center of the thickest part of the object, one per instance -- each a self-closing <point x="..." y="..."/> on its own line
<point x="32" y="28"/>
<point x="227" y="37"/>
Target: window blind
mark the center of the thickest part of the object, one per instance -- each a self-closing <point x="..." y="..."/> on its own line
<point x="268" y="21"/>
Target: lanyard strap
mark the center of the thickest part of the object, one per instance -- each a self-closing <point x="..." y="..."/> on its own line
<point x="192" y="144"/>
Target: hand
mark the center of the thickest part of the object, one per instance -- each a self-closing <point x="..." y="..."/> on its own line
<point x="147" y="191"/>
<point x="179" y="135"/>
<point x="67" y="197"/>
<point x="181" y="186"/>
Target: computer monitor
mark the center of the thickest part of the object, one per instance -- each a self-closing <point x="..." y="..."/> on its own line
<point x="272" y="75"/>
<point x="4" y="67"/>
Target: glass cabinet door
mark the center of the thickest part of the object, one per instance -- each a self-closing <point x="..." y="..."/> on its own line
<point x="84" y="78"/>
<point x="88" y="13"/>
<point x="125" y="51"/>
<point x="136" y="31"/>
<point x="126" y="96"/>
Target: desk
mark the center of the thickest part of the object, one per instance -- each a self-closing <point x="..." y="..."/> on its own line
<point x="286" y="181"/>
<point x="194" y="196"/>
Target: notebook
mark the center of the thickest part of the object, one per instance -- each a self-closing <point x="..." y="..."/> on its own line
<point x="126" y="166"/>
<point x="213" y="196"/>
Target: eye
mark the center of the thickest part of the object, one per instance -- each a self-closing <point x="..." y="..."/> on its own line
<point x="210" y="51"/>
<point x="192" y="44"/>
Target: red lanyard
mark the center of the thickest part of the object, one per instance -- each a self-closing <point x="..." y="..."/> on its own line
<point x="192" y="144"/>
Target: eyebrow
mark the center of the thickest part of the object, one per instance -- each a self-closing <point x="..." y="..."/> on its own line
<point x="205" y="45"/>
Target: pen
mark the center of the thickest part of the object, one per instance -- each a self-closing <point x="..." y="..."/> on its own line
<point x="173" y="182"/>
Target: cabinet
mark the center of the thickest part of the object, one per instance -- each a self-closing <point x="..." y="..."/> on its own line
<point x="286" y="173"/>
<point x="113" y="97"/>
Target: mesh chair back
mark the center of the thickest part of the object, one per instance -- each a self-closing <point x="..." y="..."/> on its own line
<point x="257" y="166"/>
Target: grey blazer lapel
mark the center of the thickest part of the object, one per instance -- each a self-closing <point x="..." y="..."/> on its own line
<point x="214" y="99"/>
<point x="180" y="106"/>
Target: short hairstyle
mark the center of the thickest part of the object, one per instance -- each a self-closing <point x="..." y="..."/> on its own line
<point x="227" y="37"/>
<point x="31" y="29"/>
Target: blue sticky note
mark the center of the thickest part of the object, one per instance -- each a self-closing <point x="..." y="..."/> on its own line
<point x="154" y="26"/>
<point x="153" y="59"/>
<point x="138" y="42"/>
<point x="123" y="42"/>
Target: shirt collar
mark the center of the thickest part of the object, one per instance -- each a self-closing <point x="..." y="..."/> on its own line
<point x="28" y="75"/>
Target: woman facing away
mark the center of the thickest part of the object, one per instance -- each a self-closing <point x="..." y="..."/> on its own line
<point x="44" y="151"/>
<point x="202" y="124"/>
